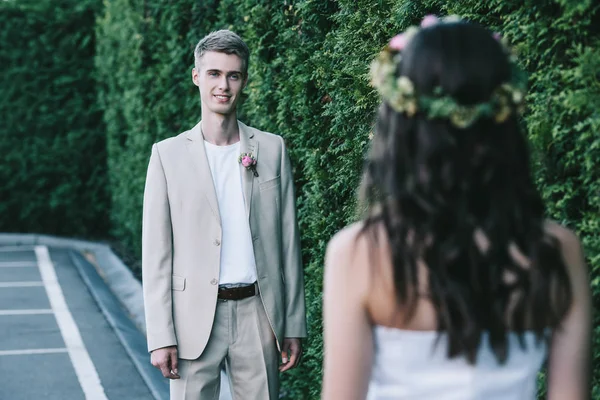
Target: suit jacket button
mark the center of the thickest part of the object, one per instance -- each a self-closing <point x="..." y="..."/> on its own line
<point x="214" y="282"/>
<point x="217" y="242"/>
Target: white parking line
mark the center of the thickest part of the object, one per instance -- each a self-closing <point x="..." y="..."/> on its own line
<point x="25" y="312"/>
<point x="31" y="351"/>
<point x="21" y="284"/>
<point x="18" y="264"/>
<point x="15" y="248"/>
<point x="86" y="372"/>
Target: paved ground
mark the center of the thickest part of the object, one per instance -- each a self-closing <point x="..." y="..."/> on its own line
<point x="72" y="327"/>
<point x="55" y="343"/>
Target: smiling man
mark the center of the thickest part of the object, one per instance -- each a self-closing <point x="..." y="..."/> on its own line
<point x="222" y="273"/>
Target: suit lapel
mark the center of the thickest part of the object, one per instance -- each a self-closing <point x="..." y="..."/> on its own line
<point x="195" y="147"/>
<point x="248" y="144"/>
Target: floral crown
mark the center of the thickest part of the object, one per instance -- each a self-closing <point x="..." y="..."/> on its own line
<point x="400" y="94"/>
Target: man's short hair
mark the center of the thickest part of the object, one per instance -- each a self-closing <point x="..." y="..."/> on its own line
<point x="223" y="41"/>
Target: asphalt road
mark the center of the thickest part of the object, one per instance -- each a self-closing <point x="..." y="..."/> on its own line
<point x="55" y="343"/>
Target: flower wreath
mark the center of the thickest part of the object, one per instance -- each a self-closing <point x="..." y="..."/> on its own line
<point x="400" y="94"/>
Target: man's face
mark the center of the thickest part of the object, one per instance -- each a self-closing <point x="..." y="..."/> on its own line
<point x="221" y="80"/>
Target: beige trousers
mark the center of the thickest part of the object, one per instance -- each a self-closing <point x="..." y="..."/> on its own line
<point x="242" y="340"/>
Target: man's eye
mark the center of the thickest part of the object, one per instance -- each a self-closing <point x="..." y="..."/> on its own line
<point x="212" y="73"/>
<point x="235" y="77"/>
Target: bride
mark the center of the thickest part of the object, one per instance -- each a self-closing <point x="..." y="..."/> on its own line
<point x="453" y="285"/>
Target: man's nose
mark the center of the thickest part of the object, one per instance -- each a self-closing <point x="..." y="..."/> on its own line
<point x="224" y="82"/>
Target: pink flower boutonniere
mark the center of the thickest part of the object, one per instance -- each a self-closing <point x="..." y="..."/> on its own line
<point x="249" y="162"/>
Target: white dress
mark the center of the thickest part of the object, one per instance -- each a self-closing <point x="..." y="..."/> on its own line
<point x="408" y="365"/>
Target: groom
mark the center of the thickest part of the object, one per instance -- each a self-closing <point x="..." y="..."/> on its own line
<point x="222" y="272"/>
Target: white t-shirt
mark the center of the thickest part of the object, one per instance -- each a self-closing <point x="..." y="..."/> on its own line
<point x="237" y="254"/>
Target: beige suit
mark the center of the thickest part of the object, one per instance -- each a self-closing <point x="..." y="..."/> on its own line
<point x="182" y="235"/>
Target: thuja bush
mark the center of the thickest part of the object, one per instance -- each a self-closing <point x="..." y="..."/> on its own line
<point x="53" y="164"/>
<point x="309" y="83"/>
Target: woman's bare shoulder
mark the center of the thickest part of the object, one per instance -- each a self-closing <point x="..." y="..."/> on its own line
<point x="342" y="246"/>
<point x="570" y="246"/>
<point x="356" y="237"/>
<point x="567" y="238"/>
<point x="347" y="235"/>
<point x="348" y="254"/>
<point x="563" y="234"/>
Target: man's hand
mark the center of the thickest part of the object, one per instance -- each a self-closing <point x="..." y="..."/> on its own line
<point x="165" y="359"/>
<point x="292" y="347"/>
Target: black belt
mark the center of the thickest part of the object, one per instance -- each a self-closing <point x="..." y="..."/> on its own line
<point x="237" y="293"/>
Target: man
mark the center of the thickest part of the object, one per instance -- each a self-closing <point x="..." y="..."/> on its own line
<point x="222" y="272"/>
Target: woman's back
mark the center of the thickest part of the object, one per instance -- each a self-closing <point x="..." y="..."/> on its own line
<point x="410" y="357"/>
<point x="382" y="301"/>
<point x="378" y="352"/>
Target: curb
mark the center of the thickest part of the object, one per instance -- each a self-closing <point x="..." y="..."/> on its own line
<point x="129" y="335"/>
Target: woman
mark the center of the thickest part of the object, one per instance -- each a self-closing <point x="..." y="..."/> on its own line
<point x="453" y="286"/>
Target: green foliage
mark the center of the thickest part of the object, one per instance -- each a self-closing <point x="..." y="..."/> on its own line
<point x="51" y="136"/>
<point x="308" y="82"/>
<point x="144" y="60"/>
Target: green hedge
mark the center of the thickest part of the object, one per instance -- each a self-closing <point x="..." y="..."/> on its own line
<point x="308" y="82"/>
<point x="52" y="141"/>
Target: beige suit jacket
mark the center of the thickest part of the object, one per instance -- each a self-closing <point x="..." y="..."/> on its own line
<point x="182" y="234"/>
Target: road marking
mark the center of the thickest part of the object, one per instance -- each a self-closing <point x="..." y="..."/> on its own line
<point x="86" y="372"/>
<point x="25" y="312"/>
<point x="21" y="284"/>
<point x="31" y="351"/>
<point x="15" y="248"/>
<point x="18" y="264"/>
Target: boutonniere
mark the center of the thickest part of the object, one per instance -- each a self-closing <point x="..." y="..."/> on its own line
<point x="249" y="162"/>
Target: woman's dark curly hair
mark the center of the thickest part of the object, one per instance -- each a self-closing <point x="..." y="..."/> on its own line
<point x="435" y="187"/>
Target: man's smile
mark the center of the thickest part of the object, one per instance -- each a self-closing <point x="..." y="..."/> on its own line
<point x="222" y="97"/>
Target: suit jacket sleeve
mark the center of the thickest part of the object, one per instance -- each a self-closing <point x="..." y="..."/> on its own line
<point x="295" y="308"/>
<point x="157" y="262"/>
